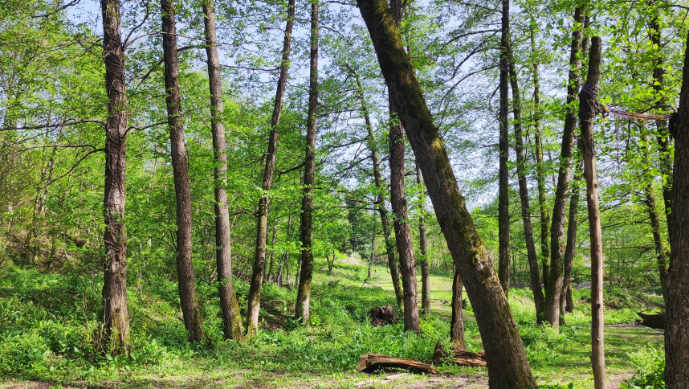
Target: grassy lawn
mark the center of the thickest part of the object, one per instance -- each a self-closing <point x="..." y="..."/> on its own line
<point x="49" y="336"/>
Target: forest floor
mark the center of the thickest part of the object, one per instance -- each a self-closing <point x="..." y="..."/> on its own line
<point x="49" y="313"/>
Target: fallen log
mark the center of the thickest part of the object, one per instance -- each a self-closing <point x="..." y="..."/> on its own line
<point x="656" y="320"/>
<point x="461" y="357"/>
<point x="370" y="362"/>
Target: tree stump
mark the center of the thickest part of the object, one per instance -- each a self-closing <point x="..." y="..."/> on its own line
<point x="656" y="320"/>
<point x="381" y="316"/>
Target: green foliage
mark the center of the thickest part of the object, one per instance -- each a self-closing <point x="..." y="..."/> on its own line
<point x="650" y="373"/>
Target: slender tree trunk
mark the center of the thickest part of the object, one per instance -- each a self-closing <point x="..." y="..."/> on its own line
<point x="557" y="229"/>
<point x="662" y="136"/>
<point x="457" y="323"/>
<point x="677" y="316"/>
<point x="115" y="309"/>
<point x="278" y="277"/>
<point x="587" y="112"/>
<point x="524" y="189"/>
<point x="304" y="293"/>
<point x="423" y="245"/>
<point x="268" y="274"/>
<point x="232" y="319"/>
<point x="185" y="270"/>
<point x="262" y="214"/>
<point x="566" y="301"/>
<point x="540" y="167"/>
<point x="380" y="202"/>
<point x="373" y="252"/>
<point x="650" y="201"/>
<point x="504" y="173"/>
<point x="499" y="331"/>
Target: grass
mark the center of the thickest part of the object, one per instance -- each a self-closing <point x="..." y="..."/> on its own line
<point x="49" y="331"/>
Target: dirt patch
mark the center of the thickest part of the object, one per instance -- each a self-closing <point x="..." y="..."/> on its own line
<point x="427" y="382"/>
<point x="617" y="380"/>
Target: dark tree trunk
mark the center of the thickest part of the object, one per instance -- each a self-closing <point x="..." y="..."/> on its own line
<point x="587" y="112"/>
<point x="557" y="229"/>
<point x="540" y="168"/>
<point x="262" y="213"/>
<point x="524" y="189"/>
<point x="115" y="309"/>
<point x="232" y="319"/>
<point x="662" y="136"/>
<point x="285" y="255"/>
<point x="457" y="323"/>
<point x="566" y="300"/>
<point x="373" y="253"/>
<point x="267" y="275"/>
<point x="185" y="270"/>
<point x="498" y="329"/>
<point x="503" y="171"/>
<point x="423" y="245"/>
<point x="304" y="293"/>
<point x="677" y="319"/>
<point x="380" y="202"/>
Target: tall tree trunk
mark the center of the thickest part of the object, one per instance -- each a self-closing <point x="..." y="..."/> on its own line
<point x="373" y="253"/>
<point x="232" y="319"/>
<point x="185" y="270"/>
<point x="587" y="112"/>
<point x="662" y="136"/>
<point x="676" y="329"/>
<point x="268" y="274"/>
<point x="650" y="201"/>
<point x="498" y="329"/>
<point x="504" y="145"/>
<point x="566" y="301"/>
<point x="380" y="202"/>
<point x="457" y="323"/>
<point x="524" y="189"/>
<point x="254" y="298"/>
<point x="557" y="229"/>
<point x="540" y="167"/>
<point x="304" y="293"/>
<point x="423" y="245"/>
<point x="115" y="309"/>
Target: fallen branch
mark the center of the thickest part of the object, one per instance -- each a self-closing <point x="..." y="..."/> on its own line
<point x="370" y="362"/>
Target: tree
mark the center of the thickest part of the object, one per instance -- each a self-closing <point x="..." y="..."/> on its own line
<point x="229" y="306"/>
<point x="504" y="146"/>
<point x="304" y="292"/>
<point x="423" y="248"/>
<point x="499" y="331"/>
<point x="115" y="309"/>
<point x="262" y="214"/>
<point x="185" y="271"/>
<point x="588" y="108"/>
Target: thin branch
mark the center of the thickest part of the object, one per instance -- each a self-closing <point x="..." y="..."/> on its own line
<point x="42" y="126"/>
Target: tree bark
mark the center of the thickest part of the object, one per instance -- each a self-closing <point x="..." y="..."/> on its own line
<point x="524" y="189"/>
<point x="498" y="329"/>
<point x="423" y="246"/>
<point x="540" y="168"/>
<point x="677" y="324"/>
<point x="185" y="270"/>
<point x="115" y="308"/>
<point x="373" y="253"/>
<point x="457" y="322"/>
<point x="504" y="146"/>
<point x="304" y="293"/>
<point x="588" y="108"/>
<point x="566" y="300"/>
<point x="380" y="202"/>
<point x="557" y="229"/>
<point x="254" y="299"/>
<point x="232" y="319"/>
<point x="269" y="273"/>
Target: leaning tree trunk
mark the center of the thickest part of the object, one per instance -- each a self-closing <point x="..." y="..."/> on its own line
<point x="540" y="167"/>
<point x="677" y="319"/>
<point x="423" y="246"/>
<point x="588" y="108"/>
<point x="185" y="270"/>
<point x="557" y="229"/>
<point x="504" y="146"/>
<point x="304" y="293"/>
<point x="232" y="319"/>
<point x="115" y="310"/>
<point x="380" y="202"/>
<point x="254" y="299"/>
<point x="504" y="347"/>
<point x="524" y="189"/>
<point x="566" y="300"/>
<point x="457" y="323"/>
